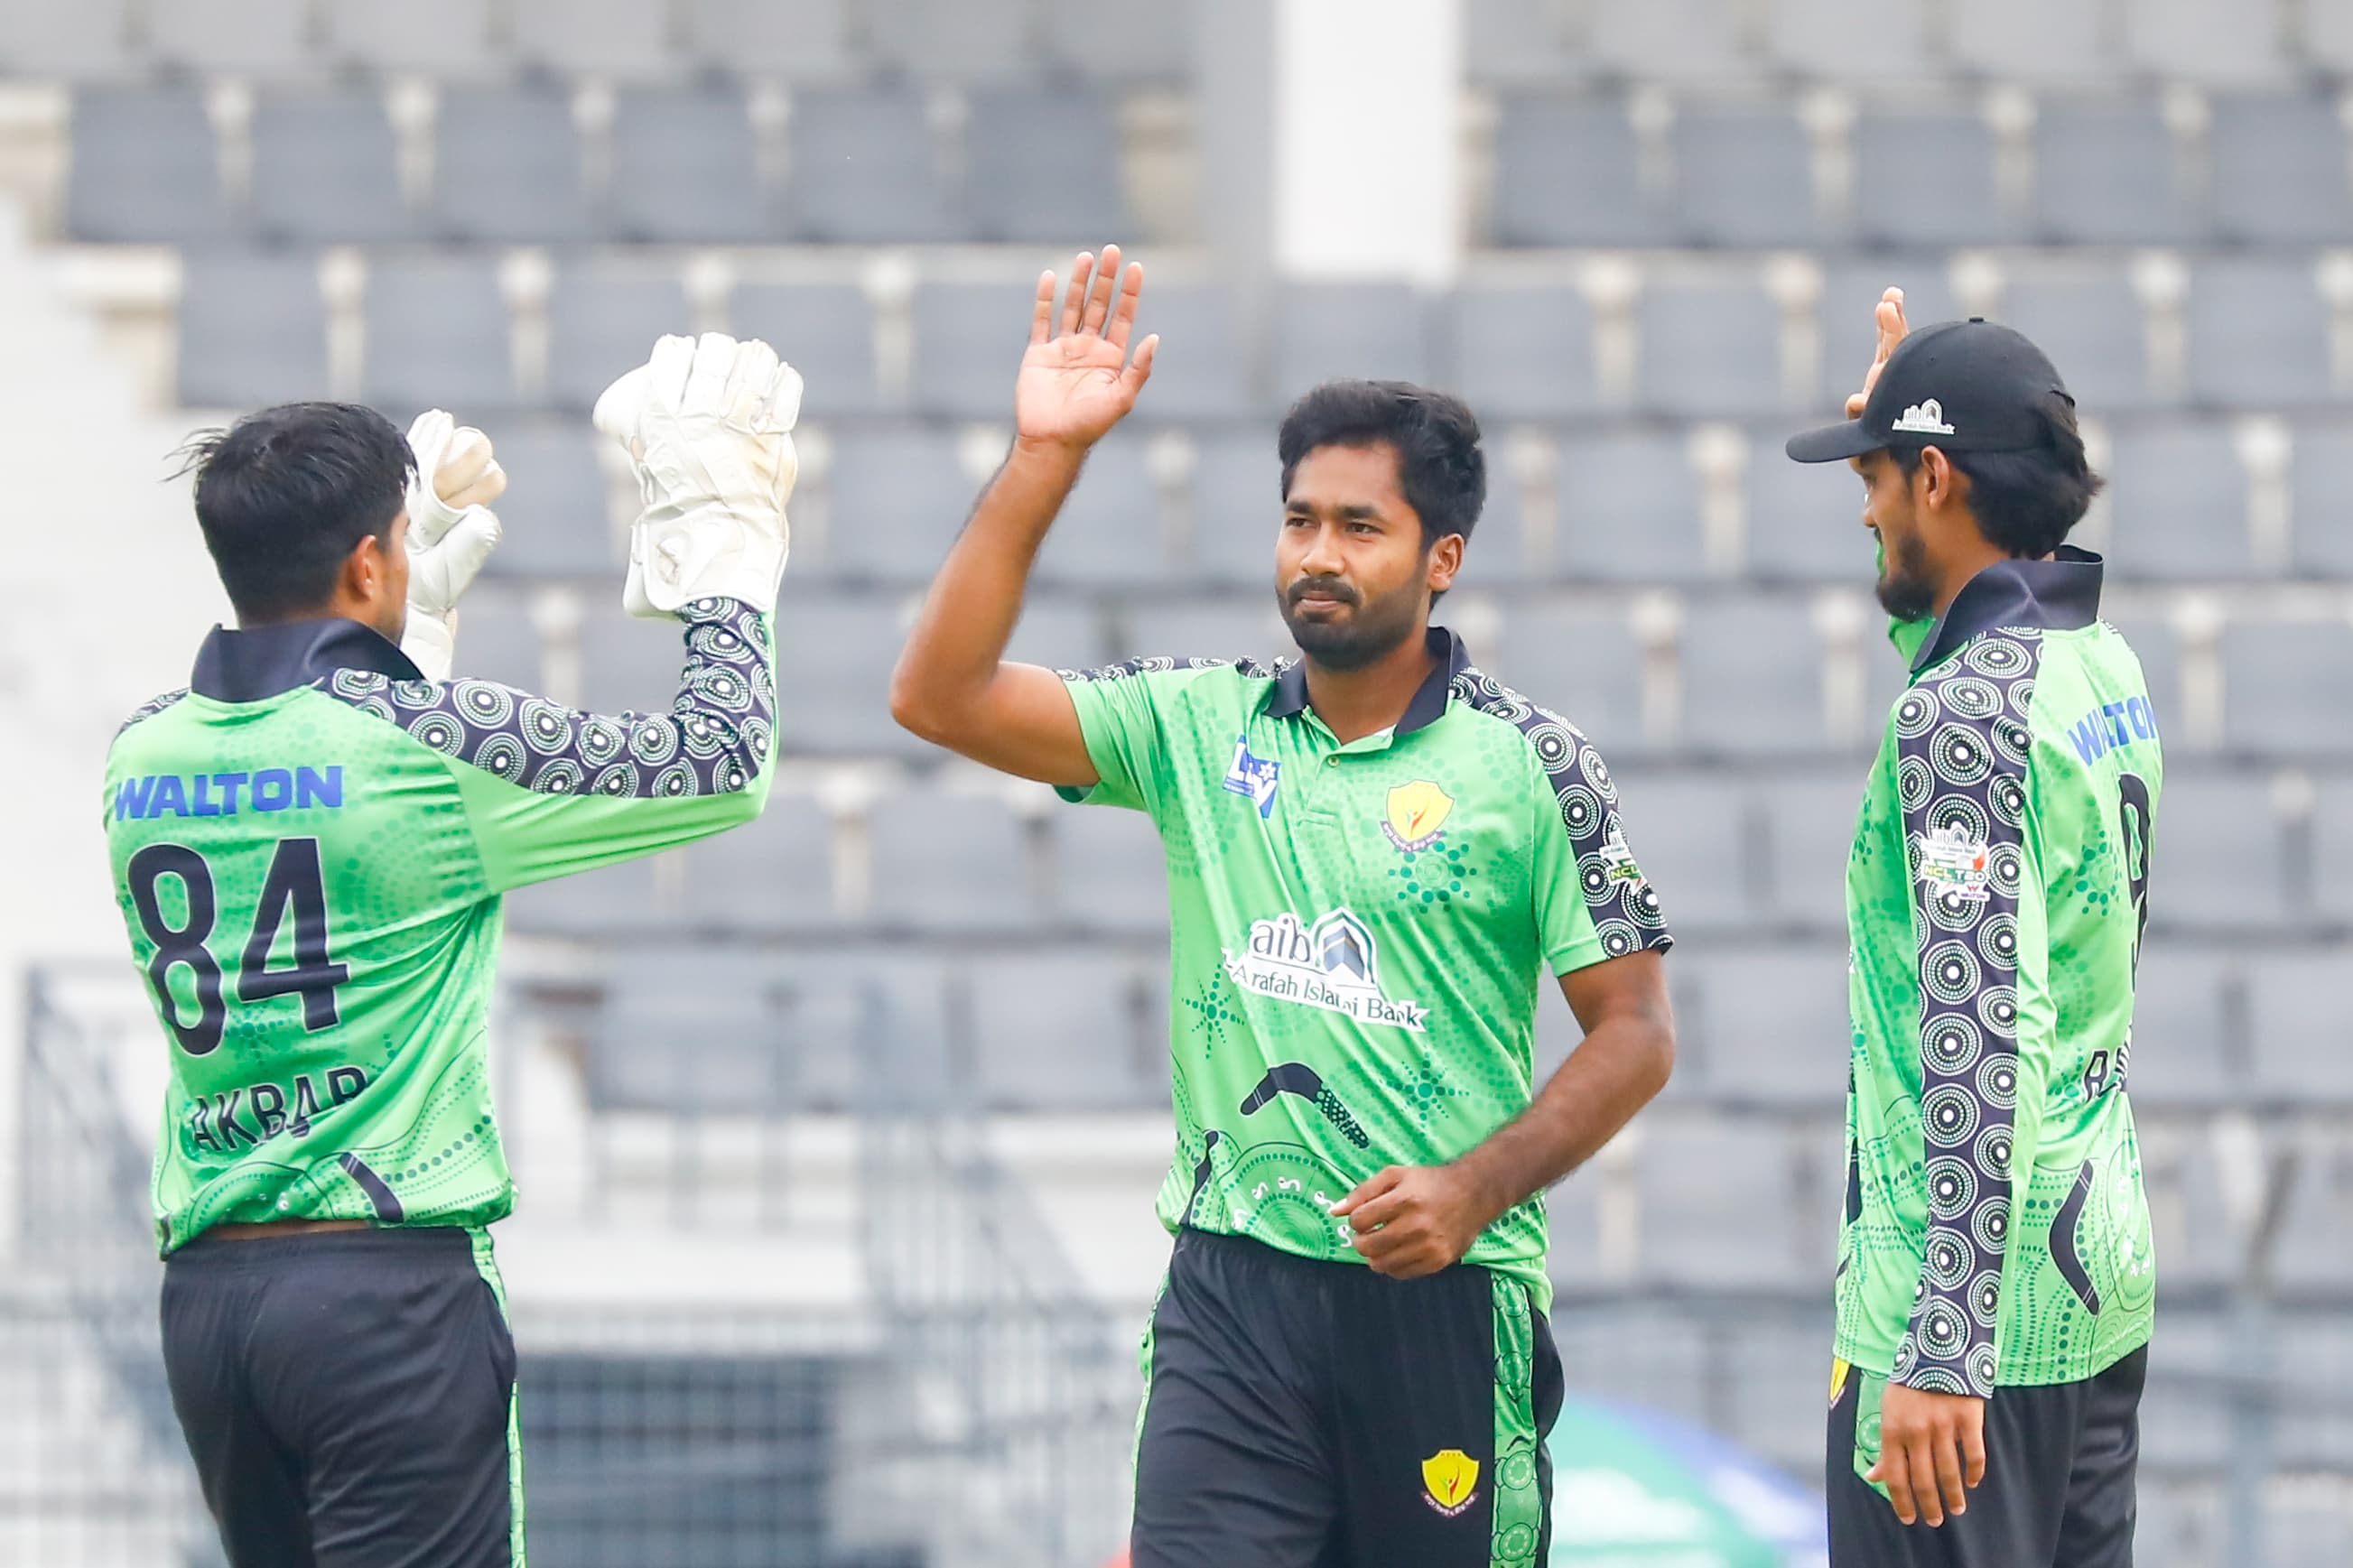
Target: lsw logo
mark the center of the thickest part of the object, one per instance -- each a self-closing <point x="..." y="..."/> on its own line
<point x="1253" y="776"/>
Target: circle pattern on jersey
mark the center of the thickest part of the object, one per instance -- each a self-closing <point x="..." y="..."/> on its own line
<point x="1950" y="972"/>
<point x="1991" y="1226"/>
<point x="1581" y="811"/>
<point x="1993" y="1149"/>
<point x="1998" y="1081"/>
<point x="1915" y="711"/>
<point x="1596" y="772"/>
<point x="445" y="732"/>
<point x="1998" y="1008"/>
<point x="1953" y="1043"/>
<point x="1645" y="906"/>
<point x="2002" y="657"/>
<point x="2006" y="869"/>
<point x="485" y="702"/>
<point x="1948" y="1115"/>
<point x="2007" y="797"/>
<point x="1985" y="1298"/>
<point x="1915" y="782"/>
<point x="1618" y="938"/>
<point x="561" y="775"/>
<point x="1941" y="1332"/>
<point x="1952" y="913"/>
<point x="1951" y="1187"/>
<point x="1553" y="745"/>
<point x="355" y="684"/>
<point x="1983" y="1365"/>
<point x="546" y="729"/>
<point x="1965" y="696"/>
<point x="2022" y="697"/>
<point x="1947" y="1263"/>
<point x="1961" y="755"/>
<point x="703" y="739"/>
<point x="653" y="741"/>
<point x="502" y="756"/>
<point x="674" y="782"/>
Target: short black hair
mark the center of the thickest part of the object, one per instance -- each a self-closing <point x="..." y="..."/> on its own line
<point x="284" y="494"/>
<point x="1440" y="467"/>
<point x="2026" y="501"/>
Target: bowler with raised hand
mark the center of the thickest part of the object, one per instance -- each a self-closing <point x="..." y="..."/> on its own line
<point x="309" y="845"/>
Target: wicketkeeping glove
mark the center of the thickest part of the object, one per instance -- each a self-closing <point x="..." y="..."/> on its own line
<point x="451" y="531"/>
<point x="708" y="424"/>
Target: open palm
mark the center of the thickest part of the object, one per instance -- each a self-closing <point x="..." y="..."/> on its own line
<point x="1076" y="379"/>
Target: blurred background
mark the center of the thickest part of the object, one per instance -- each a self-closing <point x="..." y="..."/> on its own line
<point x="838" y="1136"/>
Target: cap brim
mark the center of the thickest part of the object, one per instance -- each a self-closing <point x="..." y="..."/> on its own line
<point x="1834" y="443"/>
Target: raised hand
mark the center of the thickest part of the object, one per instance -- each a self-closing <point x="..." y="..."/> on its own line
<point x="1077" y="380"/>
<point x="1892" y="328"/>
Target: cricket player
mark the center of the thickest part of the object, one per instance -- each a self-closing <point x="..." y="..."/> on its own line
<point x="1375" y="854"/>
<point x="1995" y="1275"/>
<point x="309" y="845"/>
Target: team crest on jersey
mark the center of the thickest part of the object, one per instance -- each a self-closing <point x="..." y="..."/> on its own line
<point x="1618" y="862"/>
<point x="1956" y="864"/>
<point x="1417" y="811"/>
<point x="1333" y="964"/>
<point x="1450" y="1481"/>
<point x="1255" y="777"/>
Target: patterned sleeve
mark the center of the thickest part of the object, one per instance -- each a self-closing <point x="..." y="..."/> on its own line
<point x="1962" y="753"/>
<point x="550" y="790"/>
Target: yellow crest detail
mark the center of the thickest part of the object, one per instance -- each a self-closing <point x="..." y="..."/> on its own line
<point x="1417" y="811"/>
<point x="1450" y="1476"/>
<point x="1838" y="1378"/>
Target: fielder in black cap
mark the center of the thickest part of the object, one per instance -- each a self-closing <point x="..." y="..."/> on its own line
<point x="1995" y="1285"/>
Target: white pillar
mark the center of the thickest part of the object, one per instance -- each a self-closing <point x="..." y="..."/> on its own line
<point x="1367" y="140"/>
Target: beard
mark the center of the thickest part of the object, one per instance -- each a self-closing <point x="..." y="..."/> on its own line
<point x="1370" y="633"/>
<point x="1905" y="589"/>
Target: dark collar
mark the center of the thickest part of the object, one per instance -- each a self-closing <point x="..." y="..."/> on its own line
<point x="248" y="665"/>
<point x="2057" y="594"/>
<point x="1289" y="698"/>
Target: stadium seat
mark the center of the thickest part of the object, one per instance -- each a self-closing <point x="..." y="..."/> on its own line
<point x="1515" y="42"/>
<point x="2090" y="324"/>
<point x="1580" y="659"/>
<point x="436" y="335"/>
<point x="1068" y="1031"/>
<point x="968" y="343"/>
<point x="1204" y="368"/>
<point x="2310" y="1252"/>
<point x="2182" y="1051"/>
<point x="629" y="896"/>
<point x="895" y="497"/>
<point x="253" y="329"/>
<point x="1690" y="39"/>
<point x="83" y="41"/>
<point x="2104" y="173"/>
<point x="866" y="170"/>
<point x="2331" y="868"/>
<point x="1923" y="178"/>
<point x="1124" y="43"/>
<point x="1110" y="873"/>
<point x="2258" y="334"/>
<point x="1851" y="291"/>
<point x="143" y="169"/>
<point x="254" y="37"/>
<point x="1809" y="829"/>
<point x="1771" y="1024"/>
<point x="2296" y="1008"/>
<point x="2321" y="479"/>
<point x="2280" y="169"/>
<point x="685" y="170"/>
<point x="629" y="664"/>
<point x="442" y="38"/>
<point x="500" y="642"/>
<point x="788" y="40"/>
<point x="1744" y="176"/>
<point x="2219" y="857"/>
<point x="839" y="651"/>
<point x="2158" y="645"/>
<point x="1690" y="834"/>
<point x="827" y="330"/>
<point x="1861" y="40"/>
<point x="950" y="863"/>
<point x="2179" y="504"/>
<point x="1109" y="533"/>
<point x="1569" y="172"/>
<point x="507" y="168"/>
<point x="1523" y="353"/>
<point x="2285" y="685"/>
<point x="610" y="38"/>
<point x="688" y="1030"/>
<point x="1237" y="510"/>
<point x="1804" y="520"/>
<point x="557" y="511"/>
<point x="2197" y="40"/>
<point x="2033" y="40"/>
<point x="955" y="40"/>
<point x="1503" y="551"/>
<point x="1059" y="633"/>
<point x="1322" y="331"/>
<point x="602" y="319"/>
<point x="1709" y="348"/>
<point x="1237" y="626"/>
<point x="325" y="170"/>
<point x="774" y="874"/>
<point x="1628" y="508"/>
<point x="1752" y="681"/>
<point x="1042" y="165"/>
<point x="2197" y="1238"/>
<point x="869" y="1028"/>
<point x="1719" y="1203"/>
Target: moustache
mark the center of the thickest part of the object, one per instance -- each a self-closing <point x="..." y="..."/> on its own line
<point x="1330" y="586"/>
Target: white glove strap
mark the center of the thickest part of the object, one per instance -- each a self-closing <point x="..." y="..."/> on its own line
<point x="430" y="641"/>
<point x="708" y="554"/>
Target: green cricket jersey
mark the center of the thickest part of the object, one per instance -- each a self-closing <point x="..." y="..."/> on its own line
<point x="1358" y="931"/>
<point x="309" y="847"/>
<point x="1995" y="1227"/>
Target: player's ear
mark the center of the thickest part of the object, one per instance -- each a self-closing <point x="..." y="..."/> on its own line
<point x="1445" y="561"/>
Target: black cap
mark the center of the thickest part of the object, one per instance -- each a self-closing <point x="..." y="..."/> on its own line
<point x="1966" y="387"/>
